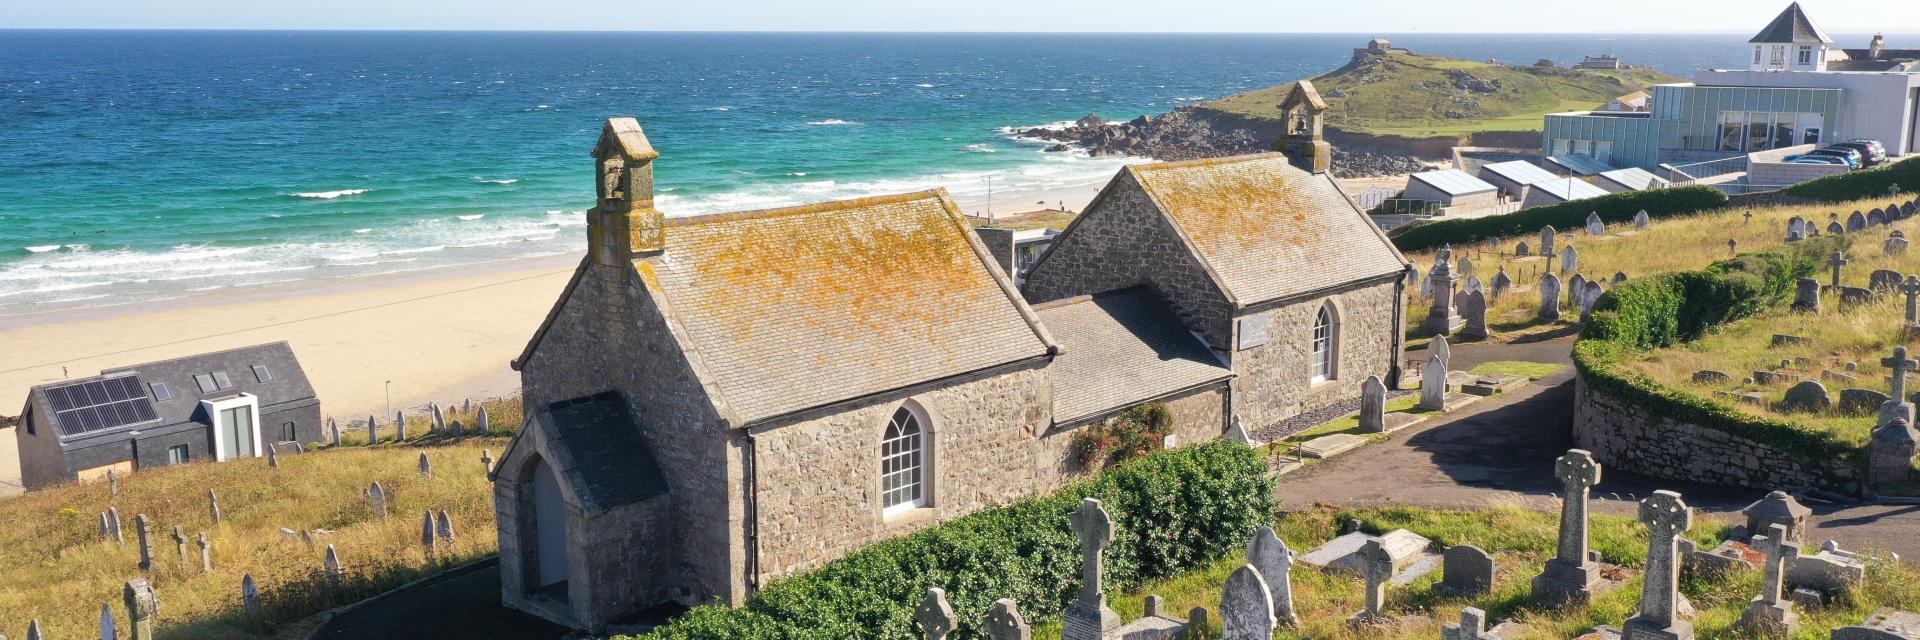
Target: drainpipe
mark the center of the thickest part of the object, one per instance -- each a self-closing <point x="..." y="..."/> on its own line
<point x="752" y="480"/>
<point x="1399" y="329"/>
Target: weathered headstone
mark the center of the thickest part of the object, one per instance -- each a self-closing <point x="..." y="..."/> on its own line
<point x="1004" y="622"/>
<point x="1769" y="614"/>
<point x="333" y="431"/>
<point x="113" y="516"/>
<point x="439" y="420"/>
<point x="1466" y="570"/>
<point x="1433" y="384"/>
<point x="141" y="607"/>
<point x="1808" y="395"/>
<point x="1890" y="453"/>
<point x="373" y="430"/>
<point x="1441" y="347"/>
<point x="1856" y="222"/>
<point x="1895" y="246"/>
<point x="1618" y="277"/>
<point x="1911" y="287"/>
<point x="113" y="483"/>
<point x="144" y="529"/>
<point x="108" y="630"/>
<point x="1474" y="308"/>
<point x="1838" y="260"/>
<point x="1796" y="229"/>
<point x="1268" y="554"/>
<point x="1876" y="218"/>
<point x="443" y="526"/>
<point x="1088" y="618"/>
<point x="486" y="460"/>
<point x="426" y="466"/>
<point x="1546" y="241"/>
<point x="482" y="423"/>
<point x="1640" y="221"/>
<point x="1587" y="298"/>
<point x="1569" y="259"/>
<point x="1572" y="576"/>
<point x="428" y="541"/>
<point x="180" y="543"/>
<point x="1441" y="316"/>
<point x="1373" y="405"/>
<point x="1549" y="297"/>
<point x="331" y="565"/>
<point x="213" y="505"/>
<point x="273" y="457"/>
<point x="1806" y="295"/>
<point x="250" y="597"/>
<point x="1596" y="226"/>
<point x="1472" y="626"/>
<point x="1884" y="280"/>
<point x="106" y="528"/>
<point x="206" y="553"/>
<point x="456" y="429"/>
<point x="1666" y="516"/>
<point x="377" y="500"/>
<point x="1733" y="247"/>
<point x="1246" y="606"/>
<point x="1464" y="267"/>
<point x="933" y="617"/>
<point x="1522" y="250"/>
<point x="33" y="630"/>
<point x="1473" y="284"/>
<point x="399" y="426"/>
<point x="1834" y="229"/>
<point x="1376" y="567"/>
<point x="1501" y="283"/>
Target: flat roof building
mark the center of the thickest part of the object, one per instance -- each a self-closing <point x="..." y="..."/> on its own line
<point x="1450" y="188"/>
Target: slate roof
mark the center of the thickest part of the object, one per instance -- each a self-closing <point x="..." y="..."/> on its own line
<point x="289" y="385"/>
<point x="804" y="306"/>
<point x="1453" y="182"/>
<point x="1635" y="178"/>
<point x="1120" y="349"/>
<point x="1520" y="171"/>
<point x="1792" y="26"/>
<point x="1265" y="228"/>
<point x="607" y="454"/>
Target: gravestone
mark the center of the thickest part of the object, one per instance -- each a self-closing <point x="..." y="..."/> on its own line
<point x="145" y="530"/>
<point x="1806" y="295"/>
<point x="426" y="466"/>
<point x="1237" y="432"/>
<point x="1522" y="250"/>
<point x="1796" y="229"/>
<point x="1439" y="346"/>
<point x="1441" y="316"/>
<point x="1004" y="622"/>
<point x="439" y="419"/>
<point x="1890" y="453"/>
<point x="1501" y="283"/>
<point x="333" y="431"/>
<point x="180" y="543"/>
<point x="399" y="426"/>
<point x="1898" y="366"/>
<point x="1809" y="395"/>
<point x="1088" y="618"/>
<point x="1834" y="229"/>
<point x="428" y="541"/>
<point x="1474" y="309"/>
<point x="1777" y="507"/>
<point x="933" y="617"/>
<point x="1709" y="376"/>
<point x="1464" y="267"/>
<point x="1576" y="287"/>
<point x="1376" y="567"/>
<point x="1472" y="626"/>
<point x="1856" y="222"/>
<point x="1587" y="299"/>
<point x="1884" y="280"/>
<point x="1246" y="606"/>
<point x="443" y="526"/>
<point x="1572" y="576"/>
<point x="250" y="597"/>
<point x="1640" y="221"/>
<point x="1733" y="247"/>
<point x="1546" y="241"/>
<point x="113" y="516"/>
<point x="206" y="553"/>
<point x="106" y="528"/>
<point x="213" y="505"/>
<point x="1466" y="570"/>
<point x="1666" y="516"/>
<point x="1373" y="405"/>
<point x="1886" y="623"/>
<point x="486" y="460"/>
<point x="273" y="457"/>
<point x="1895" y="246"/>
<point x="1473" y="284"/>
<point x="113" y="484"/>
<point x="456" y="429"/>
<point x="331" y="565"/>
<point x="1596" y="226"/>
<point x="1569" y="259"/>
<point x="1426" y="286"/>
<point x="373" y="431"/>
<point x="1618" y="277"/>
<point x="1549" y="297"/>
<point x="1433" y="384"/>
<point x="1856" y="401"/>
<point x="107" y="628"/>
<point x="33" y="630"/>
<point x="141" y="607"/>
<point x="1876" y="218"/>
<point x="482" y="423"/>
<point x="377" y="500"/>
<point x="1268" y="554"/>
<point x="1911" y="287"/>
<point x="1769" y="614"/>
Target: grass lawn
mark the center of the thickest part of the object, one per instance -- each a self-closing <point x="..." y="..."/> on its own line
<point x="1521" y="541"/>
<point x="59" y="570"/>
<point x="1522" y="368"/>
<point x="1351" y="424"/>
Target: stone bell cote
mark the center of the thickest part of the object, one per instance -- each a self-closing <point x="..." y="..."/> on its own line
<point x="1304" y="113"/>
<point x="623" y="224"/>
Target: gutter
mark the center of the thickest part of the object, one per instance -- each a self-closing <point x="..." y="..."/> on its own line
<point x="762" y="425"/>
<point x="1221" y="381"/>
<point x="751" y="478"/>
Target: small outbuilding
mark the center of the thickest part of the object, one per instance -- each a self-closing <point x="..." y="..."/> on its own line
<point x="1451" y="188"/>
<point x="1629" y="179"/>
<point x="1558" y="190"/>
<point x="1513" y="177"/>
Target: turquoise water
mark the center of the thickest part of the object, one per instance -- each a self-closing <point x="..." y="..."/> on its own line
<point x="138" y="165"/>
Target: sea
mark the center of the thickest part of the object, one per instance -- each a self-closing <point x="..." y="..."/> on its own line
<point x="138" y="166"/>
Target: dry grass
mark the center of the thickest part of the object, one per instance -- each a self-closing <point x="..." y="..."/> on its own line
<point x="1673" y="244"/>
<point x="1521" y="540"/>
<point x="59" y="570"/>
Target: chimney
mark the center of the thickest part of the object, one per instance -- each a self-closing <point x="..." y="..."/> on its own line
<point x="1874" y="47"/>
<point x="623" y="225"/>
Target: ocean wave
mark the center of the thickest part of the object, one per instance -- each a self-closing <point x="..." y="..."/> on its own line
<point x="472" y="217"/>
<point x="924" y="85"/>
<point x="500" y="181"/>
<point x="719" y="108"/>
<point x="982" y="147"/>
<point x="831" y="122"/>
<point x="329" y="195"/>
<point x="42" y="248"/>
<point x="363" y="230"/>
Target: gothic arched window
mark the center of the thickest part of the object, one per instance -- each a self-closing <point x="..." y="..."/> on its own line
<point x="1325" y="331"/>
<point x="903" y="462"/>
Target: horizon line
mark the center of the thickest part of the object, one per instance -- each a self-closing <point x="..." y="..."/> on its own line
<point x="883" y="31"/>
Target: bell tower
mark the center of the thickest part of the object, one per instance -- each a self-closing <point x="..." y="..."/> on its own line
<point x="1304" y="143"/>
<point x="623" y="224"/>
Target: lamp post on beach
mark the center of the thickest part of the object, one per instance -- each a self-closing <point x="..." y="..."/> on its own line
<point x="990" y="219"/>
<point x="389" y="396"/>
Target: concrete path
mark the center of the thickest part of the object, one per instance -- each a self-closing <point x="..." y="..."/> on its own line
<point x="1501" y="451"/>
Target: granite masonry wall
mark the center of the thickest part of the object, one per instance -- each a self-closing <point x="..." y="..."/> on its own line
<point x="1630" y="438"/>
<point x="1120" y="241"/>
<point x="1275" y="380"/>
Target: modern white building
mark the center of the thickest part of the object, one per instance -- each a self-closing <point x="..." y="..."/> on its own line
<point x="1798" y="88"/>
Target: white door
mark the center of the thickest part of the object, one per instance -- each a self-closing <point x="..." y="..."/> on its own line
<point x="550" y="526"/>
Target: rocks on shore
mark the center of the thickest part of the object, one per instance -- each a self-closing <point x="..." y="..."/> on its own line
<point x="1188" y="133"/>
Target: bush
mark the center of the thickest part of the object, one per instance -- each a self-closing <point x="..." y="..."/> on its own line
<point x="1868" y="183"/>
<point x="1613" y="208"/>
<point x="1172" y="511"/>
<point x="1135" y="432"/>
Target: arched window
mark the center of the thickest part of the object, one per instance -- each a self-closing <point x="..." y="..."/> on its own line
<point x="903" y="462"/>
<point x="1323" y="337"/>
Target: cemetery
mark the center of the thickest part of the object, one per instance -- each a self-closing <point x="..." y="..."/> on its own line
<point x="254" y="548"/>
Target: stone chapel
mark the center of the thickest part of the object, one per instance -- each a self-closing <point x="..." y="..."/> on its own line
<point x="717" y="401"/>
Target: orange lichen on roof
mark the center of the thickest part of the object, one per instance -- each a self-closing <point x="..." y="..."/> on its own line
<point x="1229" y="211"/>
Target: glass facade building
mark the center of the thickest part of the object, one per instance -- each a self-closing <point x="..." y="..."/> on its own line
<point x="1689" y="122"/>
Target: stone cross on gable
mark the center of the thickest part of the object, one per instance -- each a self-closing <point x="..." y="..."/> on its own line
<point x="1838" y="260"/>
<point x="1095" y="529"/>
<point x="933" y="617"/>
<point x="1004" y="622"/>
<point x="1577" y="473"/>
<point x="1900" y="364"/>
<point x="1911" y="287"/>
<point x="1472" y="626"/>
<point x="1666" y="517"/>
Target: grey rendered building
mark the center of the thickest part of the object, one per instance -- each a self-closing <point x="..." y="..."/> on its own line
<point x="207" y="407"/>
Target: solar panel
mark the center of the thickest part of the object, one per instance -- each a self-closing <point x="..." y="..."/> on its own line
<point x="96" y="405"/>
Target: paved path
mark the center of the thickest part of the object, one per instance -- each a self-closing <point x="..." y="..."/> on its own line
<point x="1501" y="450"/>
<point x="462" y="604"/>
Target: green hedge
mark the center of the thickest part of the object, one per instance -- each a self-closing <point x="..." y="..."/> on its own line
<point x="1613" y="208"/>
<point x="1868" y="183"/>
<point x="1670" y="308"/>
<point x="1172" y="511"/>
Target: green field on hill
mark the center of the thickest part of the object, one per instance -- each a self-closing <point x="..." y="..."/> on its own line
<point x="1414" y="95"/>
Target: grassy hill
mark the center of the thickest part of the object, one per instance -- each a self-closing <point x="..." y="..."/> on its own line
<point x="1415" y="95"/>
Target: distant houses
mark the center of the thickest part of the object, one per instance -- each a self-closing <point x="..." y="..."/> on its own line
<point x="208" y="407"/>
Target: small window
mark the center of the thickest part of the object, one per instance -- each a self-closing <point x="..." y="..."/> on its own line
<point x="177" y="454"/>
<point x="161" y="392"/>
<point x="205" y="382"/>
<point x="220" y="378"/>
<point x="1323" y="331"/>
<point x="901" y="465"/>
<point x="1806" y="55"/>
<point x="288" y="434"/>
<point x="262" y="374"/>
<point x="1756" y="55"/>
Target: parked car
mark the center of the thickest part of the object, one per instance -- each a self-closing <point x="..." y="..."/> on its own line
<point x="1870" y="150"/>
<point x="1813" y="159"/>
<point x="1853" y="158"/>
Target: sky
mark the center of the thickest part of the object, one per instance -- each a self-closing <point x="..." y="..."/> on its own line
<point x="1260" y="16"/>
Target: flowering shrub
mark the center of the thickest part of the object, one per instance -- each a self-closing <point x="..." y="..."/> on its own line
<point x="1136" y="432"/>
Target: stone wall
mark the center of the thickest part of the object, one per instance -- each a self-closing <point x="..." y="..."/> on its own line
<point x="1629" y="437"/>
<point x="1121" y="240"/>
<point x="1276" y="377"/>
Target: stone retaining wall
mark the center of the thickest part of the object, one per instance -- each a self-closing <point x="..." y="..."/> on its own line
<point x="1630" y="437"/>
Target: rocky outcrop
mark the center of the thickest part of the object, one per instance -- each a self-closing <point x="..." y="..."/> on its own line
<point x="1189" y="133"/>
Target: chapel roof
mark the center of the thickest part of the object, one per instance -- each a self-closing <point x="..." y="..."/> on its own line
<point x="598" y="444"/>
<point x="1791" y="26"/>
<point x="268" y="371"/>
<point x="1265" y="228"/>
<point x="805" y="306"/>
<point x="1120" y="349"/>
